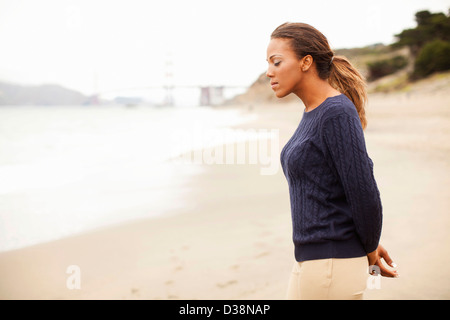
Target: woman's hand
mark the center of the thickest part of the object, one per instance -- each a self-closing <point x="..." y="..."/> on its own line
<point x="375" y="260"/>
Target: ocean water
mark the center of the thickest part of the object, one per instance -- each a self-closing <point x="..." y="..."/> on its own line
<point x="65" y="170"/>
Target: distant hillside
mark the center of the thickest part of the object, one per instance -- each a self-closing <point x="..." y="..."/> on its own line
<point x="361" y="57"/>
<point x="260" y="91"/>
<point x="13" y="94"/>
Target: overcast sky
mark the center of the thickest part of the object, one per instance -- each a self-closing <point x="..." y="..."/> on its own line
<point x="105" y="45"/>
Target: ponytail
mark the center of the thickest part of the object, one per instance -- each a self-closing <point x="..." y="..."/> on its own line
<point x="345" y="78"/>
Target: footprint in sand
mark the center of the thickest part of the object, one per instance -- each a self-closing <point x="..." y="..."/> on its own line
<point x="262" y="254"/>
<point x="226" y="284"/>
<point x="175" y="258"/>
<point x="134" y="292"/>
<point x="265" y="233"/>
<point x="178" y="268"/>
<point x="260" y="244"/>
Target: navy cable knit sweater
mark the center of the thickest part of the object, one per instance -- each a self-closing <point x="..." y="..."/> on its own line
<point x="335" y="202"/>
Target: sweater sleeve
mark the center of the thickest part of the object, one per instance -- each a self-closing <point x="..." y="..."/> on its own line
<point x="344" y="139"/>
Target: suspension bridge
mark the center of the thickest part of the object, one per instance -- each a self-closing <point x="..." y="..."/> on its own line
<point x="208" y="95"/>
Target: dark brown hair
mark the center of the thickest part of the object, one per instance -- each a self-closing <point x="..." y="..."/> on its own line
<point x="340" y="73"/>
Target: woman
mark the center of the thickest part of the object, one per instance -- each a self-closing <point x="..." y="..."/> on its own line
<point x="335" y="203"/>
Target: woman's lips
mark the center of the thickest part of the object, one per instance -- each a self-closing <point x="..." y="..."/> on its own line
<point x="273" y="84"/>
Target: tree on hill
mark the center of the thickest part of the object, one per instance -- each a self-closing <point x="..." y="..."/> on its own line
<point x="429" y="42"/>
<point x="430" y="26"/>
<point x="434" y="56"/>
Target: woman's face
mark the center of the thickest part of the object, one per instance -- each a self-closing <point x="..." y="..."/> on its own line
<point x="284" y="68"/>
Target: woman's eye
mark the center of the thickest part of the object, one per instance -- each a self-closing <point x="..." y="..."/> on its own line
<point x="276" y="64"/>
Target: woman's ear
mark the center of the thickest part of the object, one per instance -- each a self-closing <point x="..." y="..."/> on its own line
<point x="306" y="62"/>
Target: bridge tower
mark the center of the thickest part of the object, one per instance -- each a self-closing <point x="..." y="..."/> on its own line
<point x="211" y="95"/>
<point x="169" y="85"/>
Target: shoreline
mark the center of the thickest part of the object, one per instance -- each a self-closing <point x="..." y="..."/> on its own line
<point x="161" y="252"/>
<point x="232" y="240"/>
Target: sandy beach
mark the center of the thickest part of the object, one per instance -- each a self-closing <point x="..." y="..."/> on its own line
<point x="233" y="238"/>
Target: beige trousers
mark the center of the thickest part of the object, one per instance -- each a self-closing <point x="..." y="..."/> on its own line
<point x="328" y="279"/>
